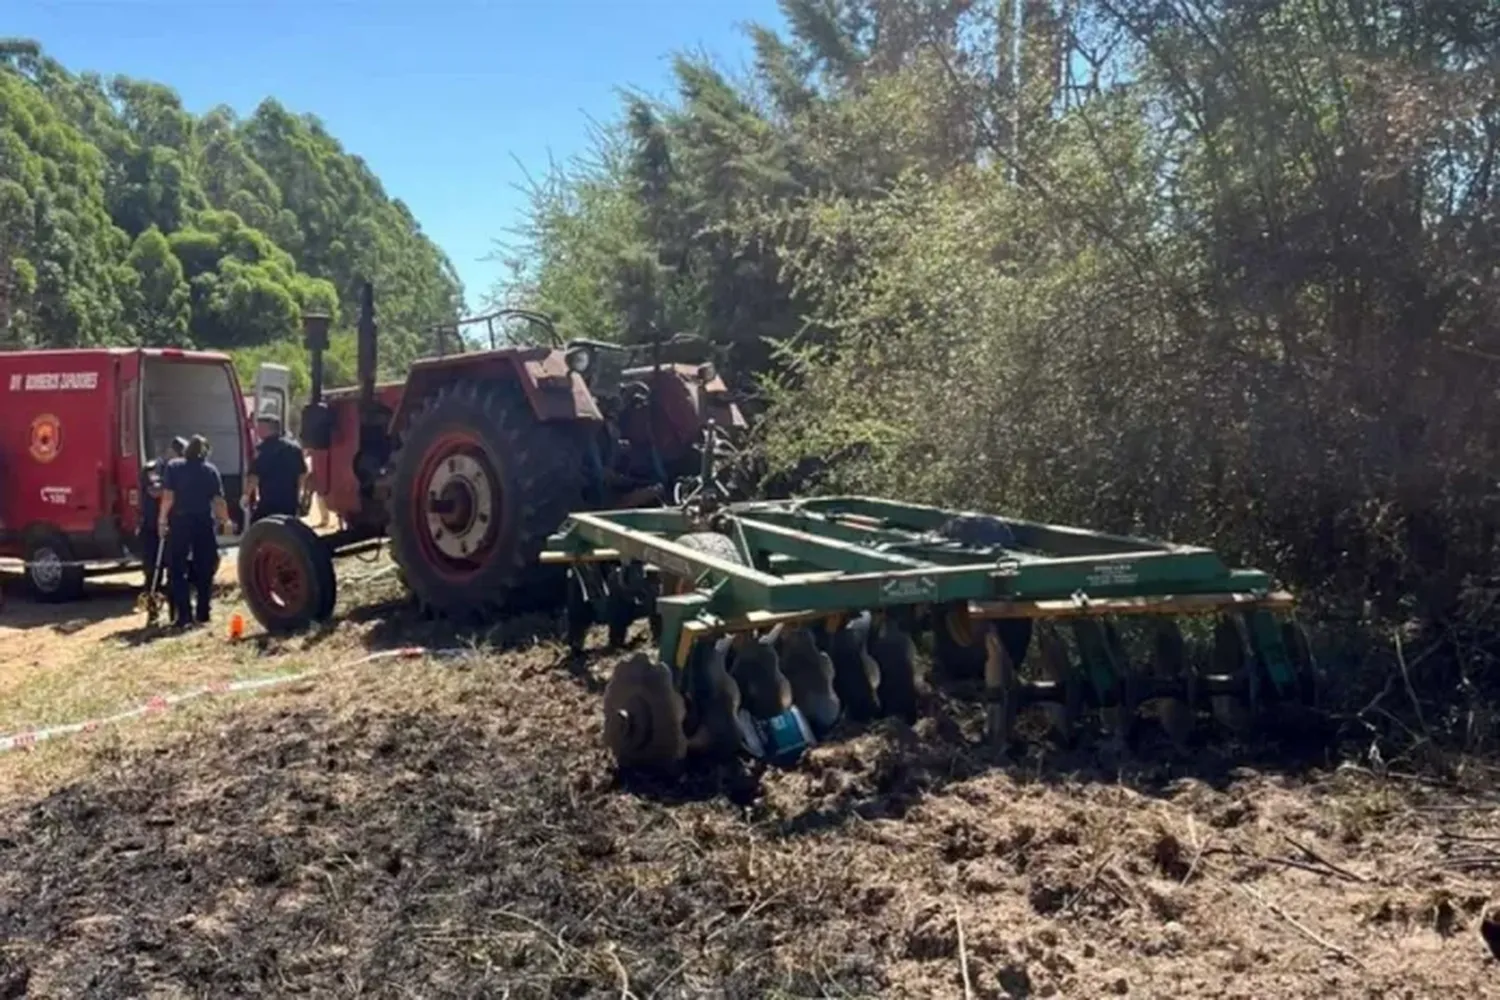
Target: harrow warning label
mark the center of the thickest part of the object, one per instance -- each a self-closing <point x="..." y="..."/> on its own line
<point x="908" y="589"/>
<point x="1116" y="574"/>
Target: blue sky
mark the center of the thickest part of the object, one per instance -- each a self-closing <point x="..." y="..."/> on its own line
<point x="443" y="98"/>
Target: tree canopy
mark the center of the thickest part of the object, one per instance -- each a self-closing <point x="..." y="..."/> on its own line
<point x="126" y="219"/>
<point x="1219" y="271"/>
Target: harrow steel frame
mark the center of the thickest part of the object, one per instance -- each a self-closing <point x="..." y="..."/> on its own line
<point x="824" y="560"/>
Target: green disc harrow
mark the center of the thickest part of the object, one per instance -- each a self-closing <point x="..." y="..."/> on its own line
<point x="776" y="620"/>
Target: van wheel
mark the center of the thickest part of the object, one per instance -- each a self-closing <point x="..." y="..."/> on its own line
<point x="51" y="571"/>
<point x="286" y="575"/>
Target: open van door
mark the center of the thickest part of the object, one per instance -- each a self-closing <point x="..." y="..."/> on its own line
<point x="132" y="451"/>
<point x="273" y="388"/>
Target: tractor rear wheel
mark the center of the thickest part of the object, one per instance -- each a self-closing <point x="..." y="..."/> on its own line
<point x="479" y="484"/>
<point x="286" y="575"/>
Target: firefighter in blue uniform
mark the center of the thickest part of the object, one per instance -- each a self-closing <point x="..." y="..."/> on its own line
<point x="152" y="554"/>
<point x="192" y="503"/>
<point x="277" y="474"/>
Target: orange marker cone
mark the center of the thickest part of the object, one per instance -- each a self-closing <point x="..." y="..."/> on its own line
<point x="236" y="626"/>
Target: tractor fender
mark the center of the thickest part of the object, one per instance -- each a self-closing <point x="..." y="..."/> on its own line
<point x="553" y="392"/>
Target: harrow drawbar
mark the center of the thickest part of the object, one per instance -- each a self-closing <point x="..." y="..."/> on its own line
<point x="775" y="620"/>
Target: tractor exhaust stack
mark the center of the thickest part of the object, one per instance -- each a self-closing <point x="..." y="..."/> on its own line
<point x="315" y="338"/>
<point x="366" y="347"/>
<point x="317" y="421"/>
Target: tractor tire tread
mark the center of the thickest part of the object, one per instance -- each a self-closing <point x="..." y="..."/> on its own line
<point x="542" y="465"/>
<point x="317" y="564"/>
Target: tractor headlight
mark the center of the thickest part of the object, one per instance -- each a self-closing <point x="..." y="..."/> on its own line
<point x="578" y="359"/>
<point x="707" y="373"/>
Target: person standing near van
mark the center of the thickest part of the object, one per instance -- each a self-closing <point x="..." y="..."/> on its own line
<point x="192" y="501"/>
<point x="277" y="475"/>
<point x="152" y="473"/>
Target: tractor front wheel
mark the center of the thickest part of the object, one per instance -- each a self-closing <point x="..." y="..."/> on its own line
<point x="479" y="484"/>
<point x="286" y="575"/>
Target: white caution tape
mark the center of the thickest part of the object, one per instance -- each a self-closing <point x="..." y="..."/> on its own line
<point x="158" y="704"/>
<point x="122" y="563"/>
<point x="107" y="567"/>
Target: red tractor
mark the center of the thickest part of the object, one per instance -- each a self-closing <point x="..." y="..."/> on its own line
<point x="470" y="464"/>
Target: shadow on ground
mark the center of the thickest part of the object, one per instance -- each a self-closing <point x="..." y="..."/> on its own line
<point x="101" y="601"/>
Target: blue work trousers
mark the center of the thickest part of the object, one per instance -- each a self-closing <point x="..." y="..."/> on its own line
<point x="195" y="560"/>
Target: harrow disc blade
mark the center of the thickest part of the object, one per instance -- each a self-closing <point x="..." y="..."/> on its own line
<point x="643" y="715"/>
<point x="712" y="704"/>
<point x="1303" y="720"/>
<point x="856" y="675"/>
<point x="958" y="641"/>
<point x="578" y="613"/>
<point x="1000" y="691"/>
<point x="1234" y="701"/>
<point x="1177" y="718"/>
<point x="809" y="670"/>
<point x="1120" y="718"/>
<point x="1067" y="683"/>
<point x="1299" y="650"/>
<point x="764" y="690"/>
<point x="1177" y="715"/>
<point x="891" y="647"/>
<point x="1233" y="714"/>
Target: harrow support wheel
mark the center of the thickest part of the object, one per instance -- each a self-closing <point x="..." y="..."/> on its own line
<point x="479" y="485"/>
<point x="644" y="715"/>
<point x="710" y="543"/>
<point x="286" y="575"/>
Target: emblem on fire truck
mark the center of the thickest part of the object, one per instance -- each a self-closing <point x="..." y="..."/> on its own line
<point x="46" y="438"/>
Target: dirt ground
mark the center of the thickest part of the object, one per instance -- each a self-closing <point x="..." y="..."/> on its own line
<point x="452" y="828"/>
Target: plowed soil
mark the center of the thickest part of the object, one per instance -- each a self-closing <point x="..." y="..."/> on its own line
<point x="454" y="829"/>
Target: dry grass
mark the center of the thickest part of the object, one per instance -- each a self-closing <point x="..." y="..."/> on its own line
<point x="95" y="656"/>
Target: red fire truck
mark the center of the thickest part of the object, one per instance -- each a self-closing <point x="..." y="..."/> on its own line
<point x="76" y="427"/>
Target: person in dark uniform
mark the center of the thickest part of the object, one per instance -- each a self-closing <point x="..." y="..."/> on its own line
<point x="277" y="475"/>
<point x="152" y="554"/>
<point x="192" y="501"/>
